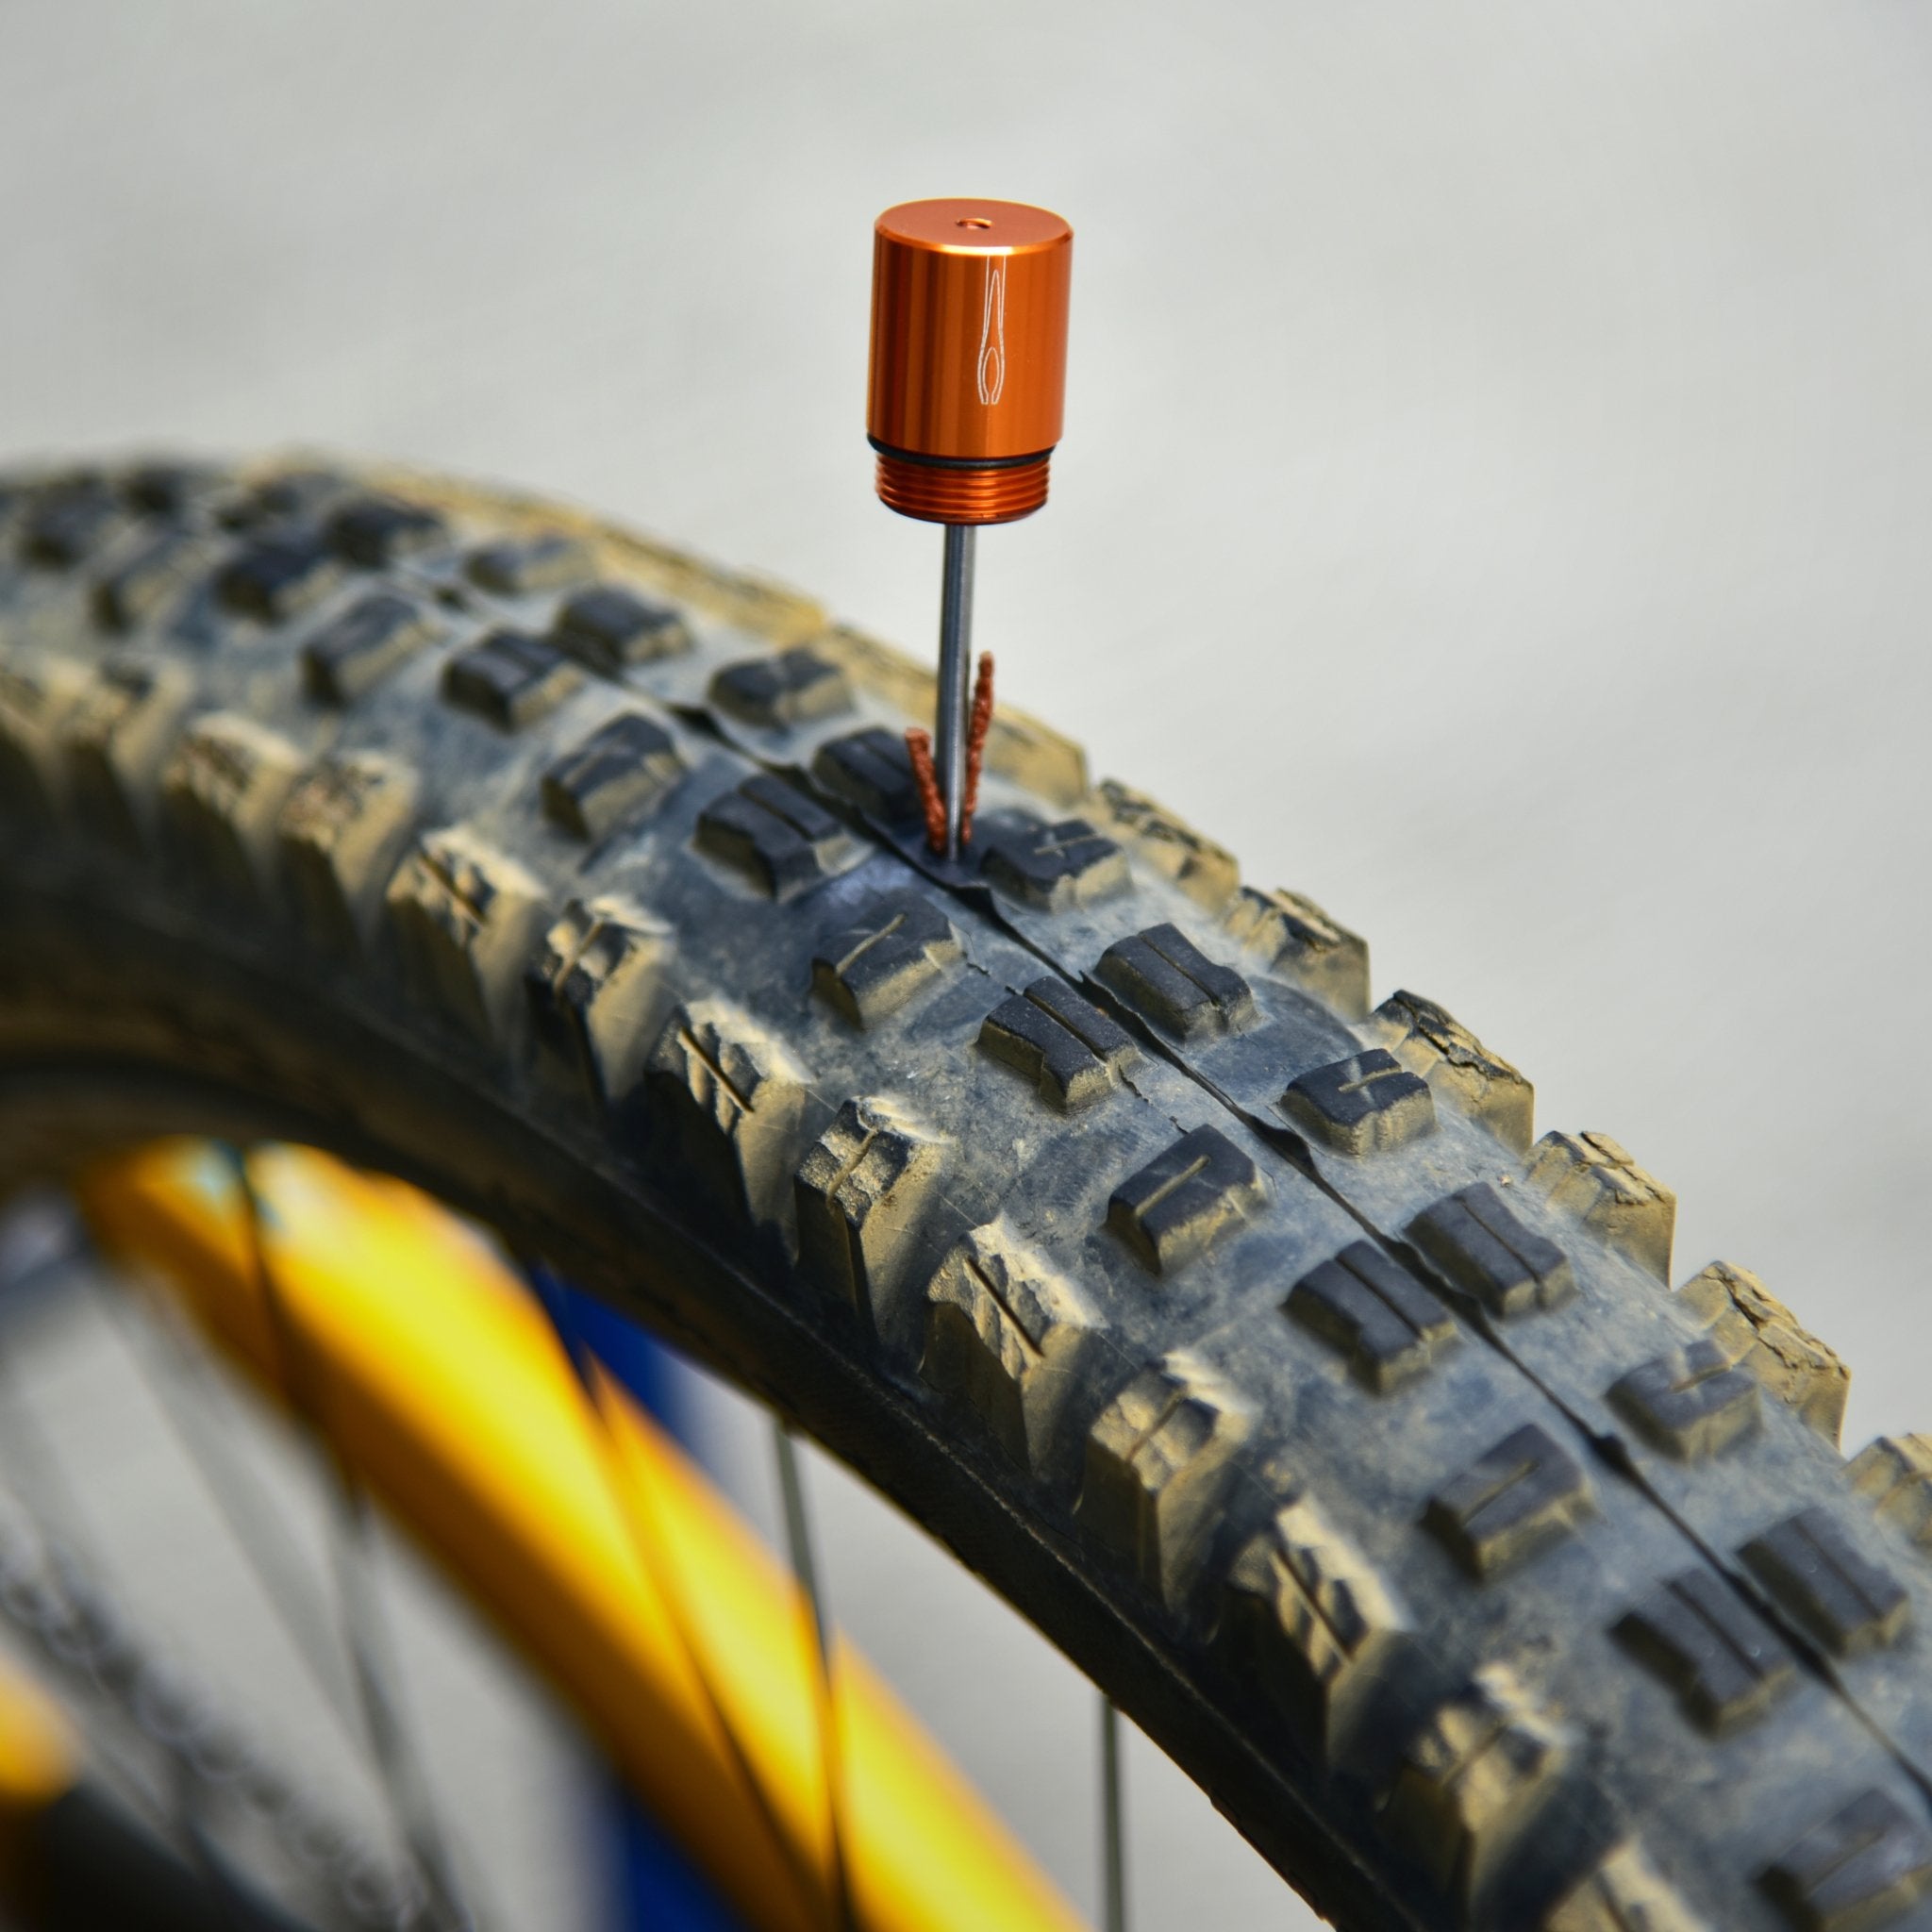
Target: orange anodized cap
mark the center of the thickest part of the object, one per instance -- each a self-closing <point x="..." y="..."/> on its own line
<point x="969" y="357"/>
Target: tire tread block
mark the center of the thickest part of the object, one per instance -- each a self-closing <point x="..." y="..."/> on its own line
<point x="1191" y="1195"/>
<point x="1525" y="1494"/>
<point x="1727" y="1666"/>
<point x="1624" y="1893"/>
<point x="1813" y="1570"/>
<point x="611" y="775"/>
<point x="860" y="1192"/>
<point x="1369" y="1103"/>
<point x="731" y="1097"/>
<point x="789" y="688"/>
<point x="1895" y="1476"/>
<point x="1692" y="1403"/>
<point x="1008" y="1334"/>
<point x="1173" y="986"/>
<point x="520" y="566"/>
<point x="897" y="946"/>
<point x="1491" y="1255"/>
<point x="1473" y="1780"/>
<point x="1054" y="868"/>
<point x="1295" y="937"/>
<point x="1860" y="1868"/>
<point x="274" y="577"/>
<point x="873" y="770"/>
<point x="224" y="786"/>
<point x="591" y="989"/>
<point x="773" y="831"/>
<point x="1071" y="1051"/>
<point x="1456" y="1065"/>
<point x="464" y="915"/>
<point x="608" y="629"/>
<point x="355" y="652"/>
<point x="1319" y="1621"/>
<point x="1157" y="1459"/>
<point x="339" y="833"/>
<point x="371" y="532"/>
<point x="1371" y="1307"/>
<point x="511" y="678"/>
<point x="1763" y="1337"/>
<point x="1590" y="1178"/>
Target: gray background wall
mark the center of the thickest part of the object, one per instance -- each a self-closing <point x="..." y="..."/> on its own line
<point x="1493" y="498"/>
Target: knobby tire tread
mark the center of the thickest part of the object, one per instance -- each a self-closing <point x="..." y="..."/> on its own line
<point x="1241" y="1335"/>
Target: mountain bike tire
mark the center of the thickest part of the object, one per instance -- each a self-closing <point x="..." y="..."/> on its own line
<point x="1239" y="1334"/>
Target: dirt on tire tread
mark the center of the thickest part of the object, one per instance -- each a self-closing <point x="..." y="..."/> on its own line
<point x="1350" y="1438"/>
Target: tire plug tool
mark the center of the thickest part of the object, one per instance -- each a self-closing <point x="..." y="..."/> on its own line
<point x="969" y="363"/>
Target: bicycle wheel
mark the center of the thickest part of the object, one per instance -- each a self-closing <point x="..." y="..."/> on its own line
<point x="444" y="1393"/>
<point x="1238" y="1334"/>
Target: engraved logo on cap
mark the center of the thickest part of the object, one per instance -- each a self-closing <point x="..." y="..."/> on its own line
<point x="992" y="335"/>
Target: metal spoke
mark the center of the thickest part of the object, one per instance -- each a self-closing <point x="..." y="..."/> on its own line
<point x="365" y="1637"/>
<point x="39" y="1478"/>
<point x="36" y="1477"/>
<point x="200" y="1410"/>
<point x="360" y="1624"/>
<point x="89" y="1639"/>
<point x="190" y="1803"/>
<point x="637" y="1510"/>
<point x="207" y="1761"/>
<point x="1113" y="1847"/>
<point x="805" y="1568"/>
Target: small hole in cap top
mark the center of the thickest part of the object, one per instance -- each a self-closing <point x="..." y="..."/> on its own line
<point x="974" y="222"/>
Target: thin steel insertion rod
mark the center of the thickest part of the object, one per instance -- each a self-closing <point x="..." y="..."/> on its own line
<point x="956" y="653"/>
<point x="1113" y="1847"/>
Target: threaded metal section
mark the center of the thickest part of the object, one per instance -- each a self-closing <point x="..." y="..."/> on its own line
<point x="962" y="493"/>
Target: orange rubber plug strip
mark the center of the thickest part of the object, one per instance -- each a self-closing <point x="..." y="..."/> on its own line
<point x="583" y="1533"/>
